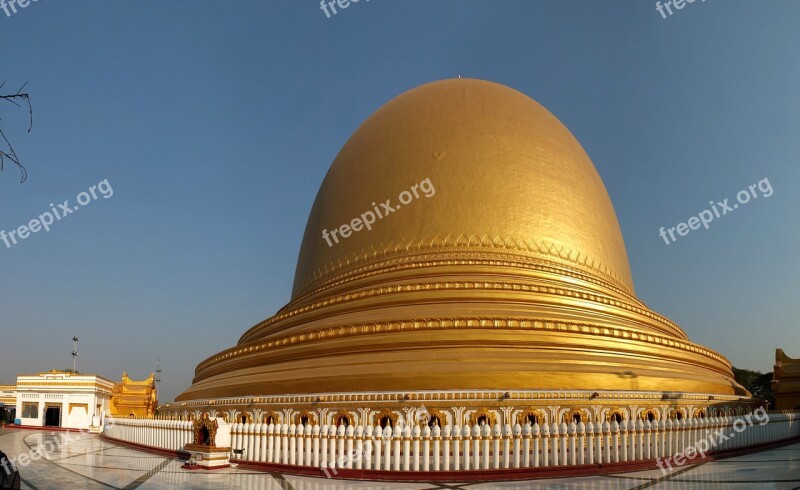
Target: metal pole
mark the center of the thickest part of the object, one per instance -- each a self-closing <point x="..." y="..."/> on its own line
<point x="75" y="355"/>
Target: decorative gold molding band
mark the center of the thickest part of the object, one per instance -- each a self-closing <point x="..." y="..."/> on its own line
<point x="466" y="242"/>
<point x="415" y="259"/>
<point x="457" y="323"/>
<point x="515" y="396"/>
<point x="460" y="285"/>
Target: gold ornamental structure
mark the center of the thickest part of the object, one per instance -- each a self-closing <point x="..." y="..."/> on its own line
<point x="496" y="288"/>
<point x="786" y="381"/>
<point x="133" y="398"/>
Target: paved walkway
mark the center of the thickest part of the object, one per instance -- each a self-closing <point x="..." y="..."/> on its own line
<point x="86" y="462"/>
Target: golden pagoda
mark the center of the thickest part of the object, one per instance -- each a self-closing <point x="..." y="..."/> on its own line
<point x="786" y="381"/>
<point x="133" y="398"/>
<point x="493" y="281"/>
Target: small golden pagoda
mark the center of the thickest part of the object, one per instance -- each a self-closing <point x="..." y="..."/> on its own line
<point x="786" y="382"/>
<point x="502" y="291"/>
<point x="134" y="398"/>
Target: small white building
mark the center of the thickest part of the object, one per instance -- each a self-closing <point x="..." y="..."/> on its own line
<point x="8" y="401"/>
<point x="62" y="399"/>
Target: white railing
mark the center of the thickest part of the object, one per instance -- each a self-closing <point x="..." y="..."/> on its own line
<point x="172" y="435"/>
<point x="473" y="448"/>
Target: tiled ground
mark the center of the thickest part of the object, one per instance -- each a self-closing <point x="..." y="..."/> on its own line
<point x="86" y="462"/>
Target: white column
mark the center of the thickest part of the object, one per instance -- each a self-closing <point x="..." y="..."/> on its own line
<point x="572" y="430"/>
<point x="476" y="447"/>
<point x="486" y="435"/>
<point x="545" y="444"/>
<point x="263" y="437"/>
<point x="598" y="442"/>
<point x="496" y="435"/>
<point x="293" y="444"/>
<point x="615" y="441"/>
<point x="285" y="443"/>
<point x="555" y="445"/>
<point x="388" y="447"/>
<point x="437" y="447"/>
<point x="456" y="444"/>
<point x="407" y="448"/>
<point x="271" y="443"/>
<point x="364" y="447"/>
<point x="251" y="441"/>
<point x="426" y="449"/>
<point x="466" y="435"/>
<point x="256" y="456"/>
<point x="397" y="455"/>
<point x="378" y="447"/>
<point x="336" y="444"/>
<point x="236" y="441"/>
<point x="321" y="459"/>
<point x="358" y="452"/>
<point x="607" y="441"/>
<point x="507" y="457"/>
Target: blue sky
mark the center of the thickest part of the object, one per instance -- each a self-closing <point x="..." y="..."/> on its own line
<point x="216" y="122"/>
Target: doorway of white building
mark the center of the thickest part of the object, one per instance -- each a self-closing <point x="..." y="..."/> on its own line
<point x="52" y="416"/>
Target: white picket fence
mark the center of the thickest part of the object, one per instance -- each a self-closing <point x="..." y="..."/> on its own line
<point x="172" y="435"/>
<point x="472" y="448"/>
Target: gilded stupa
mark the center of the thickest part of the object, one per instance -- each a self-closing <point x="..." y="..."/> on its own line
<point x="503" y="293"/>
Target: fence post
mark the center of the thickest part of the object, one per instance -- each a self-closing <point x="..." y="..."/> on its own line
<point x="359" y="450"/>
<point x="526" y="444"/>
<point x="545" y="444"/>
<point x="496" y="433"/>
<point x="300" y="433"/>
<point x="476" y="446"/>
<point x="607" y="441"/>
<point x="456" y="443"/>
<point x="599" y="447"/>
<point x="437" y="447"/>
<point x="615" y="441"/>
<point x="416" y="435"/>
<point x="471" y="447"/>
<point x="562" y="429"/>
<point x="486" y="435"/>
<point x="572" y="429"/>
<point x="398" y="435"/>
<point x="387" y="448"/>
<point x="262" y="437"/>
<point x="377" y="435"/>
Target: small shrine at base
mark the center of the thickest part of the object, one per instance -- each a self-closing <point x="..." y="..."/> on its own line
<point x="211" y="449"/>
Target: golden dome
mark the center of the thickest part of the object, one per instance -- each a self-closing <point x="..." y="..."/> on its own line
<point x="507" y="175"/>
<point x="504" y="270"/>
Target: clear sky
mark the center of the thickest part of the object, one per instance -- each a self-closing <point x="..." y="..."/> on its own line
<point x="215" y="122"/>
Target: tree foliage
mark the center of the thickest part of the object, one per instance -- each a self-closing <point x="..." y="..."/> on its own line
<point x="7" y="151"/>
<point x="756" y="382"/>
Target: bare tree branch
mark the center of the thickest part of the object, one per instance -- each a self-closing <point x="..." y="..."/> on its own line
<point x="10" y="153"/>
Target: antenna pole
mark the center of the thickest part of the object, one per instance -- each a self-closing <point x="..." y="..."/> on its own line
<point x="74" y="355"/>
